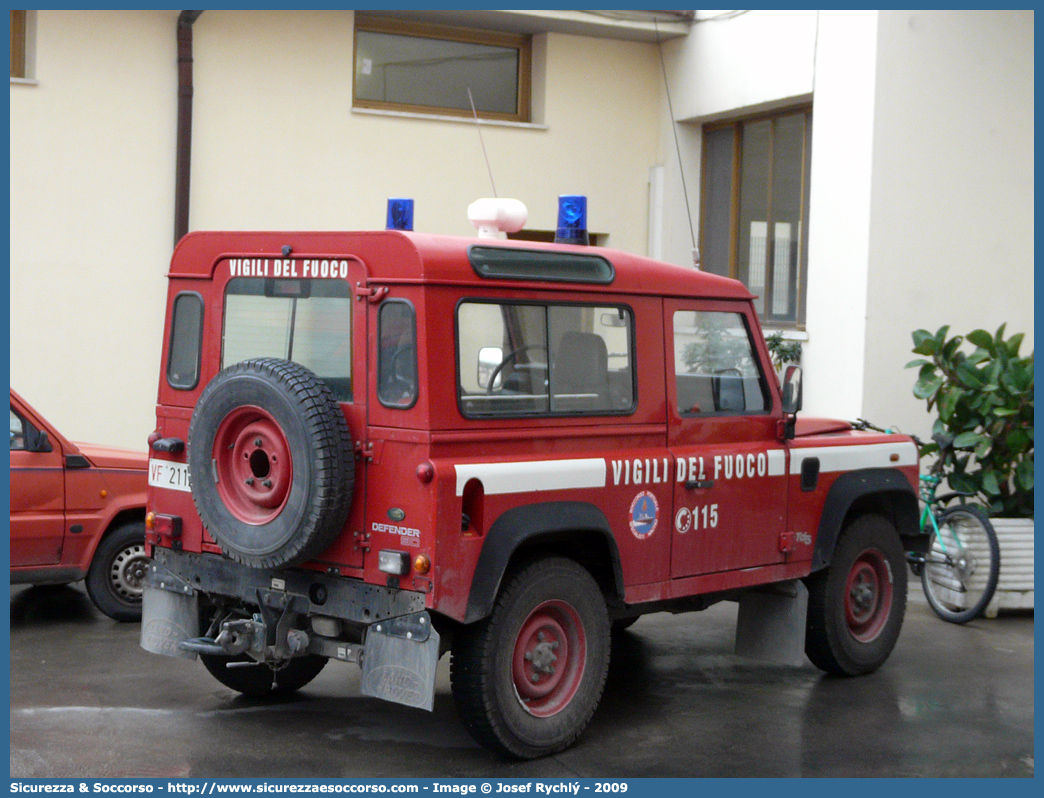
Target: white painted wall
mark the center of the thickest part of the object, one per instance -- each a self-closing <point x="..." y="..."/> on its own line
<point x="839" y="213"/>
<point x="952" y="195"/>
<point x="749" y="61"/>
<point x="92" y="208"/>
<point x="761" y="60"/>
<point x="922" y="177"/>
<point x="277" y="145"/>
<point x="731" y="64"/>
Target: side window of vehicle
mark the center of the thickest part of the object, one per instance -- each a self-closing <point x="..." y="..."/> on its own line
<point x="186" y="337"/>
<point x="397" y="354"/>
<point x="521" y="360"/>
<point x="715" y="366"/>
<point x="17" y="431"/>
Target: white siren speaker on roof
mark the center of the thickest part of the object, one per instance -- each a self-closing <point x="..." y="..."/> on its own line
<point x="495" y="218"/>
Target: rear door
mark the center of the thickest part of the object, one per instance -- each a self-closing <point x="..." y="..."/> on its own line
<point x="730" y="467"/>
<point x="309" y="311"/>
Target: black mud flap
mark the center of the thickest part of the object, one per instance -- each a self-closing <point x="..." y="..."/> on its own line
<point x="400" y="659"/>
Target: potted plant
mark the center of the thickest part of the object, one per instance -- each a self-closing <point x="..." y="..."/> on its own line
<point x="782" y="350"/>
<point x="984" y="398"/>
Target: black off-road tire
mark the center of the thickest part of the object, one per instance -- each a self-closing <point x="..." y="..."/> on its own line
<point x="550" y="618"/>
<point x="271" y="463"/>
<point x="115" y="577"/>
<point x="856" y="605"/>
<point x="256" y="680"/>
<point x="621" y="624"/>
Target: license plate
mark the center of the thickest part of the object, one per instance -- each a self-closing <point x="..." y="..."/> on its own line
<point x="165" y="474"/>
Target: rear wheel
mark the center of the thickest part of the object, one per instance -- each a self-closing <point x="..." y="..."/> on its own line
<point x="962" y="565"/>
<point x="116" y="573"/>
<point x="856" y="606"/>
<point x="258" y="680"/>
<point x="527" y="679"/>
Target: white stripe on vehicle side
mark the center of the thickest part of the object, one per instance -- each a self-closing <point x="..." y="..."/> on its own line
<point x="850" y="458"/>
<point x="777" y="462"/>
<point x="533" y="476"/>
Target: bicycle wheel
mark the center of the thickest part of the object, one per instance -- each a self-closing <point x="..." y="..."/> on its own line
<point x="962" y="564"/>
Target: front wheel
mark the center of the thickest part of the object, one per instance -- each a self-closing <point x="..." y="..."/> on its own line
<point x="856" y="606"/>
<point x="962" y="565"/>
<point x="526" y="680"/>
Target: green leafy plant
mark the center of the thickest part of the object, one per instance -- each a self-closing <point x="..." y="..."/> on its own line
<point x="782" y="350"/>
<point x="985" y="400"/>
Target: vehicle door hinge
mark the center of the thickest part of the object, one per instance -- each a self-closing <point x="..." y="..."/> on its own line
<point x="362" y="542"/>
<point x="370" y="451"/>
<point x="373" y="295"/>
<point x="787" y="543"/>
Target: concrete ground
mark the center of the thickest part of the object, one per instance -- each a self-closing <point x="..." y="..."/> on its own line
<point x="951" y="701"/>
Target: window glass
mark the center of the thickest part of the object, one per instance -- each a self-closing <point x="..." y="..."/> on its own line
<point x="306" y="321"/>
<point x="186" y="335"/>
<point x="397" y="355"/>
<point x="716" y="370"/>
<point x="717" y="200"/>
<point x="17" y="431"/>
<point x="544" y="359"/>
<point x="755" y="208"/>
<point x="405" y="66"/>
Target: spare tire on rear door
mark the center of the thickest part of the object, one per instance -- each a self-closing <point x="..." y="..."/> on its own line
<point x="271" y="463"/>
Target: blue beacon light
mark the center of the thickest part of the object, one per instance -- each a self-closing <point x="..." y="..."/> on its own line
<point x="572" y="220"/>
<point x="400" y="214"/>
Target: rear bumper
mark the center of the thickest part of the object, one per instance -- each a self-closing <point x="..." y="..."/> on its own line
<point x="400" y="648"/>
<point x="300" y="591"/>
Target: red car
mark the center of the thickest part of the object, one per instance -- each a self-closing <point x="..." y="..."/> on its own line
<point x="77" y="512"/>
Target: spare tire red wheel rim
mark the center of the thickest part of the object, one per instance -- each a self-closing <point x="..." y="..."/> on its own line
<point x="253" y="465"/>
<point x="549" y="657"/>
<point x="868" y="596"/>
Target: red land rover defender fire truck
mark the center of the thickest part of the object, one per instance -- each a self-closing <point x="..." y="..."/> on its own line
<point x="376" y="447"/>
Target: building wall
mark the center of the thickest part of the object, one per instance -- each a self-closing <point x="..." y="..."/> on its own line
<point x="952" y="194"/>
<point x="275" y="146"/>
<point x="92" y="208"/>
<point x="734" y="66"/>
<point x="729" y="65"/>
<point x="922" y="168"/>
<point x="833" y="357"/>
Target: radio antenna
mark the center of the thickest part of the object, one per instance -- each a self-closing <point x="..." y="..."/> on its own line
<point x="482" y="141"/>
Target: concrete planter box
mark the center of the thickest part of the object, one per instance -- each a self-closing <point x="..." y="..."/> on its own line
<point x="1015" y="588"/>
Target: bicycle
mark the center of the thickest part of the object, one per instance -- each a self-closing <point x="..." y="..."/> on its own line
<point x="961" y="564"/>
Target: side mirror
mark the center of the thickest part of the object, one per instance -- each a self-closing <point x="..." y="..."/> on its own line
<point x="489" y="357"/>
<point x="37" y="440"/>
<point x="792" y="390"/>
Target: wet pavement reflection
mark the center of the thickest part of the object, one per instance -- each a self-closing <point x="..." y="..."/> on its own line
<point x="86" y="701"/>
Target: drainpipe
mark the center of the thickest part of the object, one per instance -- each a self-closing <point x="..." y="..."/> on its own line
<point x="183" y="168"/>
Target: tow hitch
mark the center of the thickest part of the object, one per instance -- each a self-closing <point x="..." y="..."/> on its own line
<point x="264" y="637"/>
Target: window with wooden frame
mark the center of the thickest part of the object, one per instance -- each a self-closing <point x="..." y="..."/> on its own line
<point x="754" y="208"/>
<point x="413" y="67"/>
<point x="18" y="44"/>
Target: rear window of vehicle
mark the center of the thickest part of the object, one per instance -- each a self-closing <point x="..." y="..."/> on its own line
<point x="306" y="321"/>
<point x="186" y="336"/>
